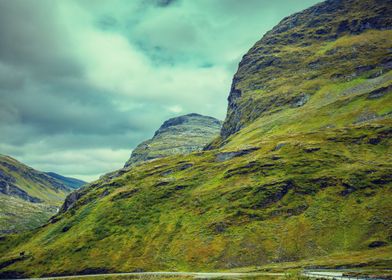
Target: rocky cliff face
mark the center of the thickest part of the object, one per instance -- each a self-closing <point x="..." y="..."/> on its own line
<point x="284" y="69"/>
<point x="179" y="135"/>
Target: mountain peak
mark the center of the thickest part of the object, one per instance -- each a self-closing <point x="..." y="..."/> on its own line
<point x="293" y="60"/>
<point x="189" y="119"/>
<point x="178" y="135"/>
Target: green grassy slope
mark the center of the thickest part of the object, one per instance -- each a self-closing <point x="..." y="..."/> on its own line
<point x="18" y="214"/>
<point x="306" y="181"/>
<point x="28" y="197"/>
<point x="317" y="195"/>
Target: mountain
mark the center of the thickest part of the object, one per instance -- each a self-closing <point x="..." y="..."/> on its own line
<point x="28" y="197"/>
<point x="300" y="175"/>
<point x="179" y="135"/>
<point x="339" y="46"/>
<point x="68" y="181"/>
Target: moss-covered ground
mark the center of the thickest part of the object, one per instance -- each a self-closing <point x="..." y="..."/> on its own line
<point x="318" y="194"/>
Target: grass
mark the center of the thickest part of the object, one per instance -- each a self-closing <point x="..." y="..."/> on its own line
<point x="19" y="215"/>
<point x="170" y="277"/>
<point x="322" y="195"/>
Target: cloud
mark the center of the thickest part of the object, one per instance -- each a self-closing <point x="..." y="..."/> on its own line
<point x="175" y="109"/>
<point x="83" y="82"/>
<point x="84" y="164"/>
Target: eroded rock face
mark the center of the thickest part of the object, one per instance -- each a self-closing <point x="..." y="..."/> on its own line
<point x="291" y="54"/>
<point x="10" y="189"/>
<point x="229" y="155"/>
<point x="70" y="200"/>
<point x="180" y="135"/>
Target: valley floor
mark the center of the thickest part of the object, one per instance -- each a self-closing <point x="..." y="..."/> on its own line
<point x="372" y="264"/>
<point x="311" y="274"/>
<point x="174" y="275"/>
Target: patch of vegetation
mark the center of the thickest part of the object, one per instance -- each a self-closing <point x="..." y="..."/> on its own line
<point x="19" y="215"/>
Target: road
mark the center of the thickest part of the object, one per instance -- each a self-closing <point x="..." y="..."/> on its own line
<point x="212" y="275"/>
<point x="332" y="275"/>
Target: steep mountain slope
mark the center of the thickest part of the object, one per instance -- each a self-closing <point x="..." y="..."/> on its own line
<point x="28" y="197"/>
<point x="327" y="45"/>
<point x="302" y="169"/>
<point x="70" y="182"/>
<point x="179" y="135"/>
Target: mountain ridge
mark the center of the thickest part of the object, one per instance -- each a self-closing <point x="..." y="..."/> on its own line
<point x="69" y="181"/>
<point x="29" y="197"/>
<point x="302" y="30"/>
<point x="178" y="135"/>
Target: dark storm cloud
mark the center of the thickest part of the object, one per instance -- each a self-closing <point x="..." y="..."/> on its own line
<point x="47" y="105"/>
<point x="107" y="23"/>
<point x="164" y="3"/>
<point x="42" y="83"/>
<point x="31" y="38"/>
<point x="66" y="108"/>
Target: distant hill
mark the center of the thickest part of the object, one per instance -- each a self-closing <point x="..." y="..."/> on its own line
<point x="177" y="136"/>
<point x="68" y="181"/>
<point x="28" y="197"/>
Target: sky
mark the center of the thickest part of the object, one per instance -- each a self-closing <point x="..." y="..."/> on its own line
<point x="82" y="82"/>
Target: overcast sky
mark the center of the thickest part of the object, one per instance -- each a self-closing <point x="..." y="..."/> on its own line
<point x="83" y="82"/>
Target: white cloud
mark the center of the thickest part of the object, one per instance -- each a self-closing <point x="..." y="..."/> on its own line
<point x="175" y="109"/>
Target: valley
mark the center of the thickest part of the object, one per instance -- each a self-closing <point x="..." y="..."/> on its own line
<point x="28" y="197"/>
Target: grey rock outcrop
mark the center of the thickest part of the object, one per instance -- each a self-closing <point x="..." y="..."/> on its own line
<point x="179" y="135"/>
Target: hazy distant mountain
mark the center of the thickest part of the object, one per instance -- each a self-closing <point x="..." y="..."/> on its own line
<point x="28" y="197"/>
<point x="70" y="182"/>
